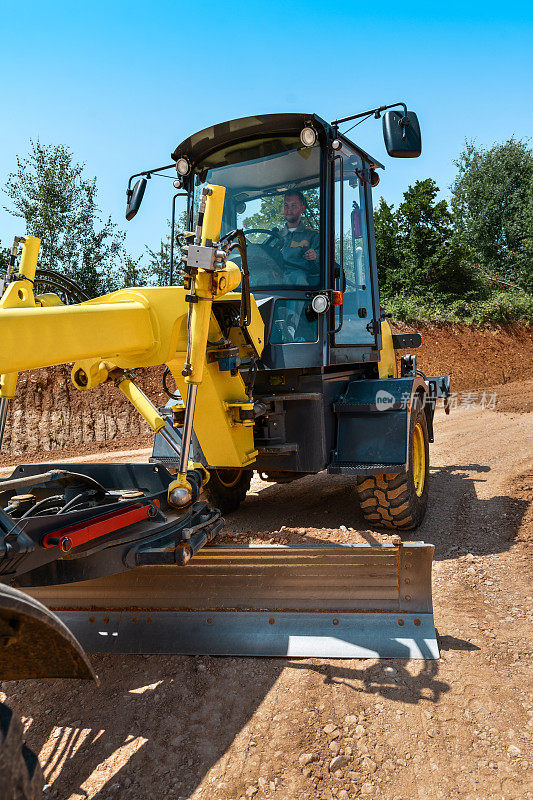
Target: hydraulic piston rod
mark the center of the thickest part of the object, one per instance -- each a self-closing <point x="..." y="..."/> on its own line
<point x="4" y="408"/>
<point x="187" y="427"/>
<point x="208" y="273"/>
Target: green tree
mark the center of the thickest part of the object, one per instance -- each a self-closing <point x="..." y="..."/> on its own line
<point x="134" y="273"/>
<point x="418" y="249"/>
<point x="49" y="191"/>
<point x="492" y="203"/>
<point x="4" y="259"/>
<point x="388" y="255"/>
<point x="157" y="271"/>
<point x="434" y="257"/>
<point x="158" y="268"/>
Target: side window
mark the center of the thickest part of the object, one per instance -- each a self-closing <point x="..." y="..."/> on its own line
<point x="351" y="252"/>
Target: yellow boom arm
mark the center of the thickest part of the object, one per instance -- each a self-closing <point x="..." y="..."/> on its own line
<point x="142" y="327"/>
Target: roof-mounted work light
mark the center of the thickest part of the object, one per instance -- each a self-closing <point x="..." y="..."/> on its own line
<point x="308" y="136"/>
<point x="183" y="166"/>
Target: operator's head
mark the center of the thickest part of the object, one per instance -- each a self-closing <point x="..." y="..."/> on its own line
<point x="294" y="205"/>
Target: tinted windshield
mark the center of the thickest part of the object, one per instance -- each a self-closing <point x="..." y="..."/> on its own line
<point x="275" y="198"/>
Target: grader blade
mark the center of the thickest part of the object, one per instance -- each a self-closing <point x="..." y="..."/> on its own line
<point x="325" y="601"/>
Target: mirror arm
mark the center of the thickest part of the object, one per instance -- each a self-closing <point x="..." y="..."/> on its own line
<point x="377" y="113"/>
<point x="147" y="174"/>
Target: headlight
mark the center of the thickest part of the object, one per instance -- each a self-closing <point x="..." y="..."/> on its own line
<point x="308" y="136"/>
<point x="183" y="166"/>
<point x="320" y="303"/>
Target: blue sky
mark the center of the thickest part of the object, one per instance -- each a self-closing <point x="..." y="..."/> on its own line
<point x="123" y="83"/>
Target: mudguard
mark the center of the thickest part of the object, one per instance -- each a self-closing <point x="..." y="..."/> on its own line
<point x="373" y="424"/>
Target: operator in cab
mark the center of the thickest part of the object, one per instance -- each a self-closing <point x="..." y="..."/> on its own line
<point x="300" y="256"/>
<point x="300" y="244"/>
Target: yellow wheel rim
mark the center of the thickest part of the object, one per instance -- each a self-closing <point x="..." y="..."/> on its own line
<point x="229" y="477"/>
<point x="419" y="459"/>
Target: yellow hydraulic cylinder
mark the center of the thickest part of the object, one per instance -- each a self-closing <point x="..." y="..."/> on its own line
<point x="8" y="385"/>
<point x="207" y="286"/>
<point x="28" y="260"/>
<point x="213" y="213"/>
<point x="143" y="405"/>
<point x="200" y="319"/>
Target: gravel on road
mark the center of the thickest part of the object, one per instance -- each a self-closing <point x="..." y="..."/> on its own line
<point x="235" y="728"/>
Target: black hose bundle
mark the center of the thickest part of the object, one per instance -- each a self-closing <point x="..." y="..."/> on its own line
<point x="166" y="373"/>
<point x="239" y="243"/>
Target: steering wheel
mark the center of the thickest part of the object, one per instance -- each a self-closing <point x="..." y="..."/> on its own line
<point x="272" y="233"/>
<point x="270" y="266"/>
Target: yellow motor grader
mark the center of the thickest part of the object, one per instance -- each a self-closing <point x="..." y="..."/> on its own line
<point x="283" y="363"/>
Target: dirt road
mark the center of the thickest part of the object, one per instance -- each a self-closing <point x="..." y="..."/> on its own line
<point x="175" y="727"/>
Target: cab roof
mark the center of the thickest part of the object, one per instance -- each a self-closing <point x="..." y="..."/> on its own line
<point x="207" y="141"/>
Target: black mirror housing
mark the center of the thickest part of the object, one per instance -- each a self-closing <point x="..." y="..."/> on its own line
<point x="402" y="134"/>
<point x="135" y="197"/>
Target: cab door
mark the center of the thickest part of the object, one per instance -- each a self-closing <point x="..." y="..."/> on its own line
<point x="356" y="335"/>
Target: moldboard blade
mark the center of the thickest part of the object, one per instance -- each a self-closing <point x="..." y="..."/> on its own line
<point x="323" y="601"/>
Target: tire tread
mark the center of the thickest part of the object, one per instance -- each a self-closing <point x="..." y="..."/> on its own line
<point x="225" y="498"/>
<point x="390" y="500"/>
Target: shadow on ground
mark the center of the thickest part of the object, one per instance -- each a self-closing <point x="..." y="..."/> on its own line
<point x="176" y="717"/>
<point x="457" y="518"/>
<point x="396" y="684"/>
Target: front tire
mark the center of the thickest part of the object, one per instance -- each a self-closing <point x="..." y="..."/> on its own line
<point x="227" y="488"/>
<point x="399" y="500"/>
<point x="21" y="777"/>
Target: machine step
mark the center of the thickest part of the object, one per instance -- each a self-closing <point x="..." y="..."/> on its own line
<point x="352" y="468"/>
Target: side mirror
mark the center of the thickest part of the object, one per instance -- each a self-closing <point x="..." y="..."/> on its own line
<point x="402" y="134"/>
<point x="135" y="197"/>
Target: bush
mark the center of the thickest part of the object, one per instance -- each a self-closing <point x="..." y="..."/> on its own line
<point x="504" y="307"/>
<point x="500" y="308"/>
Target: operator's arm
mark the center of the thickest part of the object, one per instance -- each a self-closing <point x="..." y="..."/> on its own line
<point x="313" y="252"/>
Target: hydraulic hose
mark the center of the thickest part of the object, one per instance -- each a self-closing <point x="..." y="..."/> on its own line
<point x="241" y="247"/>
<point x="166" y="373"/>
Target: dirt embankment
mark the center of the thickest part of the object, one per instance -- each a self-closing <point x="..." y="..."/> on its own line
<point x="476" y="358"/>
<point x="50" y="414"/>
